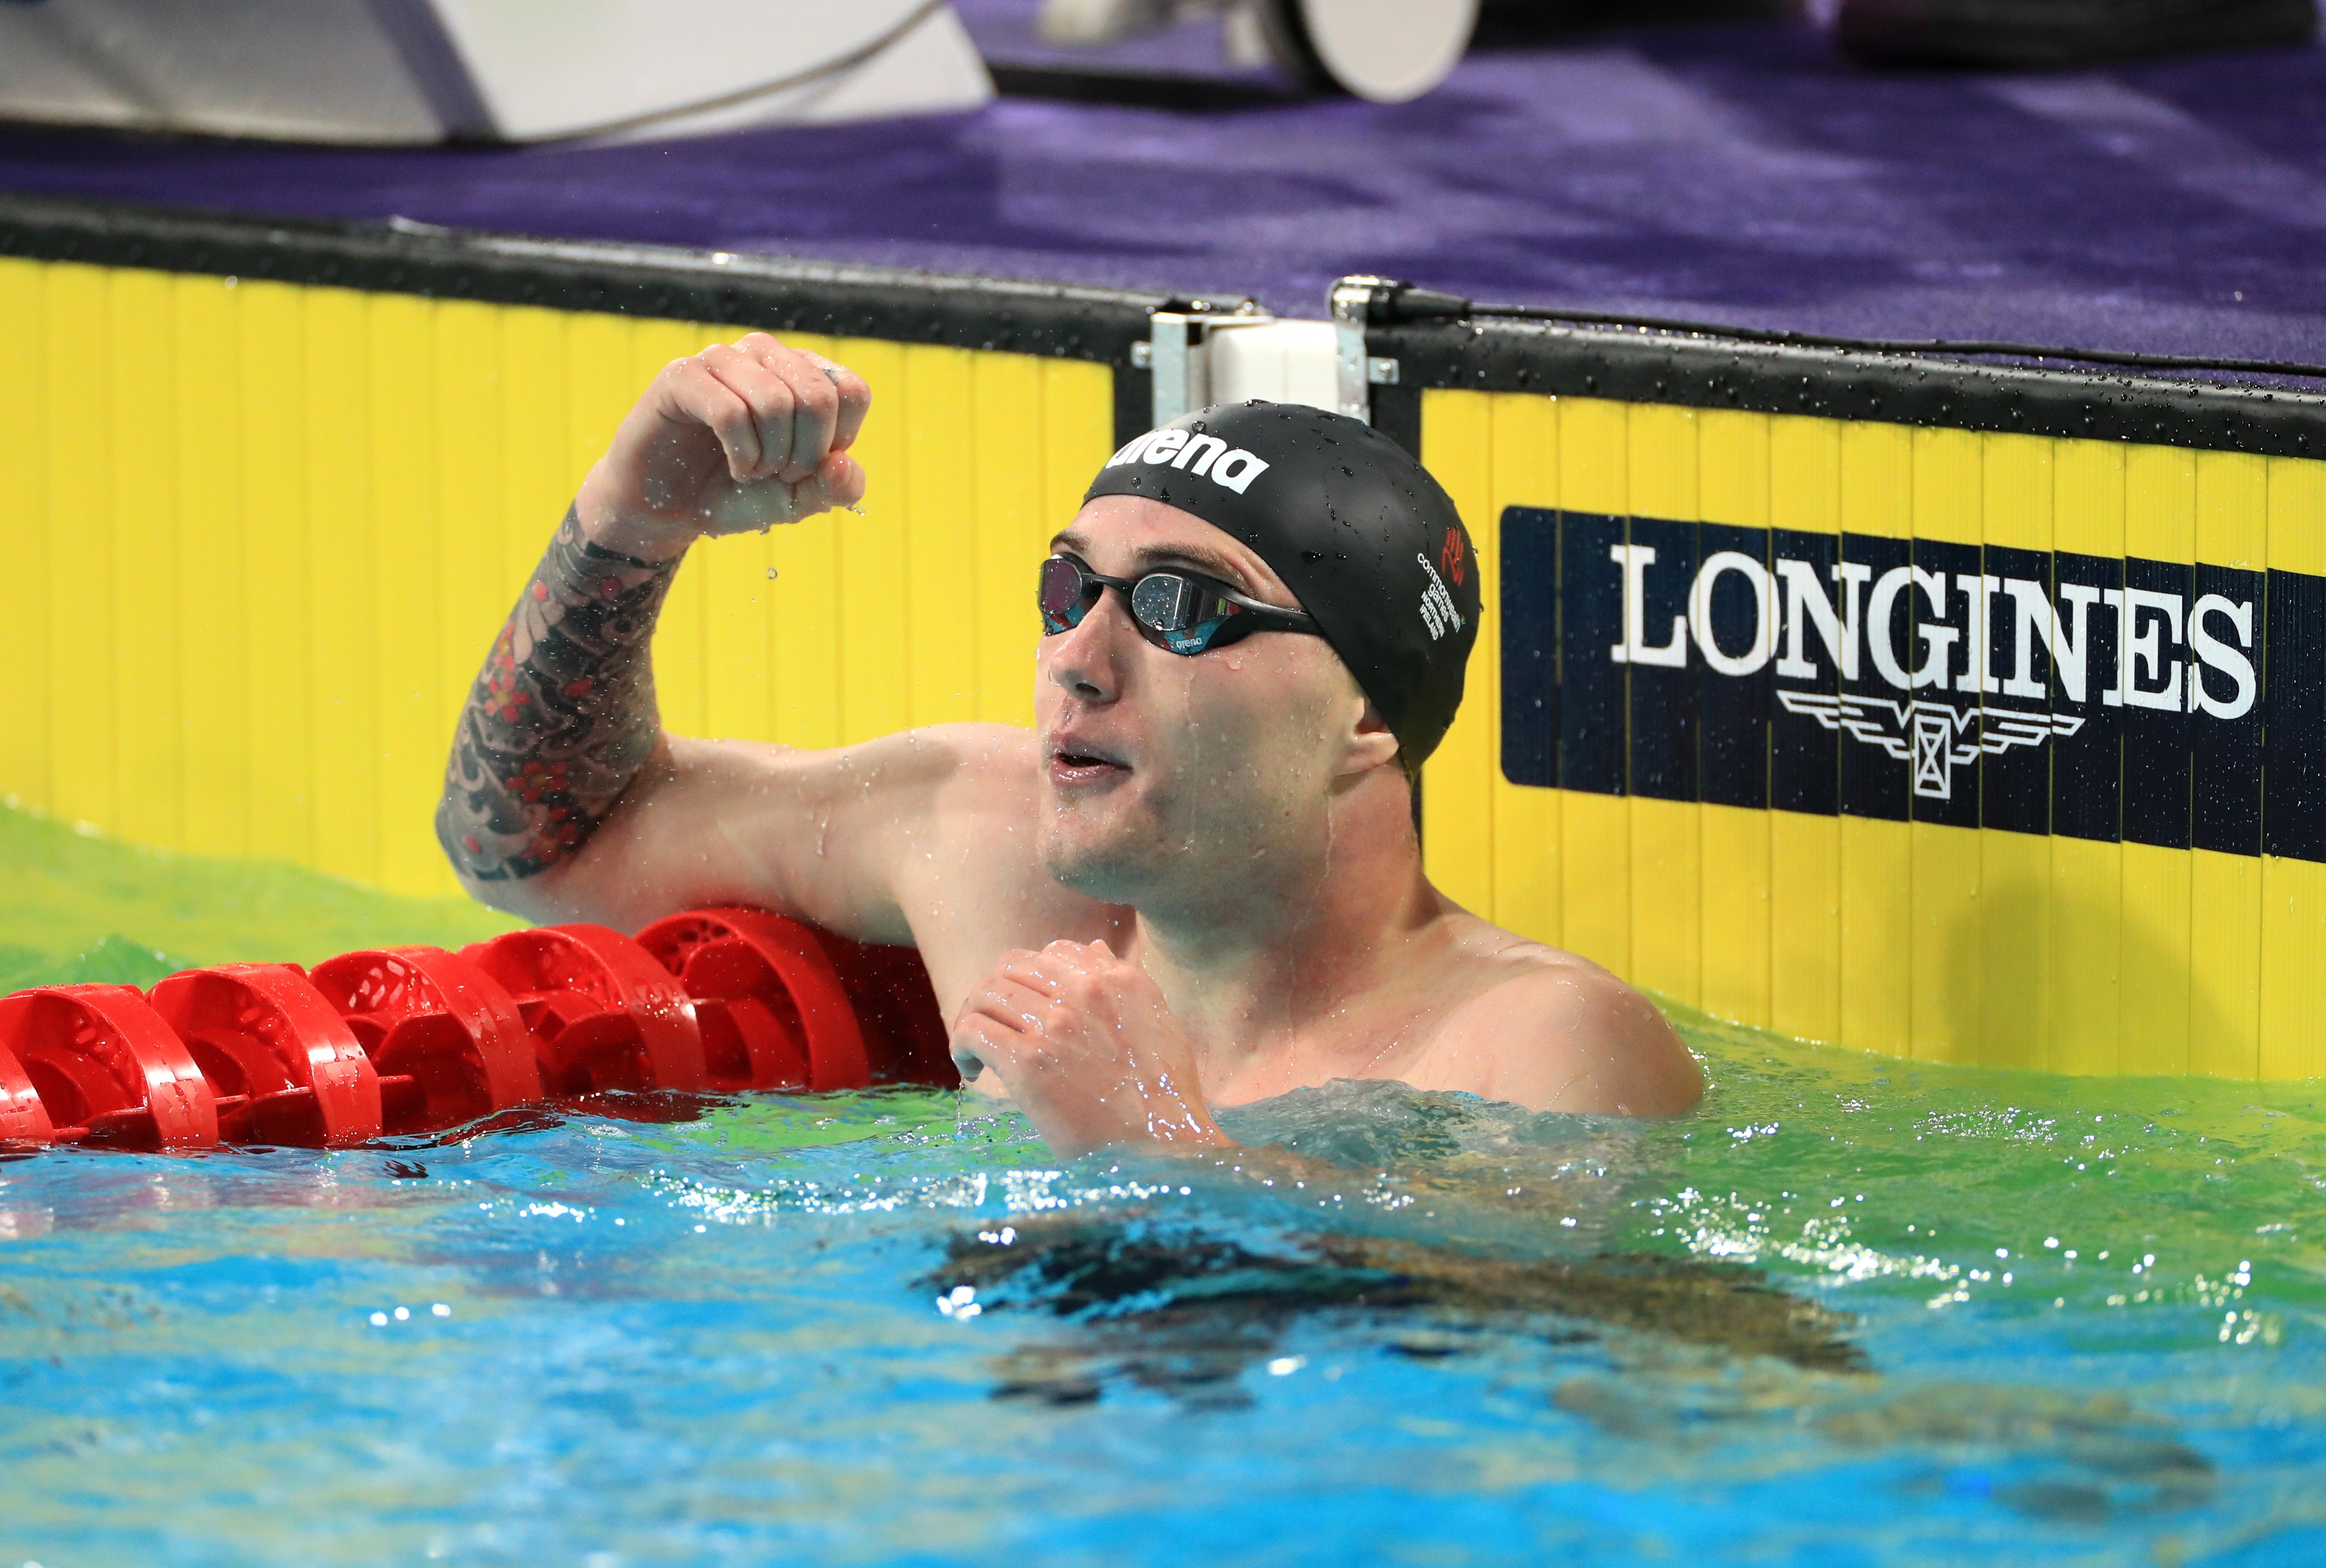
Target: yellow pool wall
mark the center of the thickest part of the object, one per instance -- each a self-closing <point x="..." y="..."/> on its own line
<point x="263" y="534"/>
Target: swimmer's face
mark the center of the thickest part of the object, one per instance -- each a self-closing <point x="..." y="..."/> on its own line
<point x="1163" y="772"/>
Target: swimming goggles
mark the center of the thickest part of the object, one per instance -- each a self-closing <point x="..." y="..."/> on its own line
<point x="1182" y="611"/>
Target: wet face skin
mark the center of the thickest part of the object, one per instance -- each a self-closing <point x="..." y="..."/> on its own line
<point x="1167" y="779"/>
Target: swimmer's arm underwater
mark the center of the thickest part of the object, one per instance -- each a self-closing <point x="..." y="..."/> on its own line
<point x="563" y="717"/>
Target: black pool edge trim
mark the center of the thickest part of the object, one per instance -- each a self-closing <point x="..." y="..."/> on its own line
<point x="1062" y="320"/>
<point x="1054" y="321"/>
<point x="1631" y="364"/>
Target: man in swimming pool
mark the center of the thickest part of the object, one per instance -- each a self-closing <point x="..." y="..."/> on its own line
<point x="1196" y="883"/>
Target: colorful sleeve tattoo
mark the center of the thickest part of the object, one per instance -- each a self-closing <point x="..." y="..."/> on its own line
<point x="561" y="717"/>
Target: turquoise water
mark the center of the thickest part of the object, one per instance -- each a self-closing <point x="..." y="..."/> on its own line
<point x="1850" y="1312"/>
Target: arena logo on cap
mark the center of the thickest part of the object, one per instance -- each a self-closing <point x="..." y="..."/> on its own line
<point x="1207" y="455"/>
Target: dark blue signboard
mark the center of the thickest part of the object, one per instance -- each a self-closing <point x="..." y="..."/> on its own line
<point x="2139" y="700"/>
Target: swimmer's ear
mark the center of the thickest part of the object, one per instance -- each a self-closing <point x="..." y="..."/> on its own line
<point x="1370" y="745"/>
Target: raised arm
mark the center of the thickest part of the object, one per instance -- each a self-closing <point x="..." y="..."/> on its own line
<point x="562" y="720"/>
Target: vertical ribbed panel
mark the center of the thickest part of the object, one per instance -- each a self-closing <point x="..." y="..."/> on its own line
<point x="263" y="534"/>
<point x="2014" y="955"/>
<point x="28" y="699"/>
<point x="2293" y="1004"/>
<point x="1738" y="850"/>
<point x="2087" y="996"/>
<point x="1523" y="459"/>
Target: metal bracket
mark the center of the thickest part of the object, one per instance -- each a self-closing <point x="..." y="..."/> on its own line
<point x="1178" y="338"/>
<point x="1362" y="302"/>
<point x="1355" y="303"/>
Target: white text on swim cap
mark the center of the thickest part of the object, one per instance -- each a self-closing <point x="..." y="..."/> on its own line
<point x="1438" y="611"/>
<point x="1207" y="455"/>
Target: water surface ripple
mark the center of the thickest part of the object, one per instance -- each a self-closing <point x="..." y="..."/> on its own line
<point x="1851" y="1310"/>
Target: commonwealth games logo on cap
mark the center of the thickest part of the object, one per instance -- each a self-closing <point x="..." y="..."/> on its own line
<point x="1438" y="611"/>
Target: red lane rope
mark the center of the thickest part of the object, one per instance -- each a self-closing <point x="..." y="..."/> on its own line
<point x="415" y="1040"/>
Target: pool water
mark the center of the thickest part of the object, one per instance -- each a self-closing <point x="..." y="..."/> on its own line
<point x="1853" y="1310"/>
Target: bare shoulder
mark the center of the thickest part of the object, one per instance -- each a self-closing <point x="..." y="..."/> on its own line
<point x="950" y="810"/>
<point x="1553" y="1031"/>
<point x="847" y="838"/>
<point x="971" y="885"/>
<point x="979" y="756"/>
<point x="974" y="779"/>
<point x="1001" y="762"/>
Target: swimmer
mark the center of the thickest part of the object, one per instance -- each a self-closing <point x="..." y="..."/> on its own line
<point x="1196" y="883"/>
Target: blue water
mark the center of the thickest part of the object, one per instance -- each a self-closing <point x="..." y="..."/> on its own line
<point x="746" y="1338"/>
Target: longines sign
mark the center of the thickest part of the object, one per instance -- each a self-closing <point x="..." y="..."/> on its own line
<point x="2103" y="698"/>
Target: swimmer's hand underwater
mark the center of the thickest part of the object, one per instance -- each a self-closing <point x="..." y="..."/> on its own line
<point x="733" y="439"/>
<point x="1086" y="1046"/>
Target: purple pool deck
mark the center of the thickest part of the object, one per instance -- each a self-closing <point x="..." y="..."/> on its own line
<point x="1738" y="172"/>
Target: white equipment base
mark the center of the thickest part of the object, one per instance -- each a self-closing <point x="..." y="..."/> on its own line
<point x="409" y="73"/>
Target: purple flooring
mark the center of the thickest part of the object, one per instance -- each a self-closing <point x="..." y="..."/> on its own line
<point x="1739" y="172"/>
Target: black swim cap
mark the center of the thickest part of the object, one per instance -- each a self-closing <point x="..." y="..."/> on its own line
<point x="1371" y="544"/>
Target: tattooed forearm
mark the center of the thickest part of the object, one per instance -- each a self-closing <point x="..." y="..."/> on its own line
<point x="561" y="717"/>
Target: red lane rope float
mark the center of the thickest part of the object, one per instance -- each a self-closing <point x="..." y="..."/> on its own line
<point x="897" y="1007"/>
<point x="774" y="1012"/>
<point x="449" y="1041"/>
<point x="778" y="997"/>
<point x="23" y="1119"/>
<point x="603" y="1015"/>
<point x="282" y="1065"/>
<point x="107" y="1070"/>
<point x="416" y="1040"/>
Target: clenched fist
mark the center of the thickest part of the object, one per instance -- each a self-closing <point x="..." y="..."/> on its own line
<point x="1085" y="1043"/>
<point x="738" y="437"/>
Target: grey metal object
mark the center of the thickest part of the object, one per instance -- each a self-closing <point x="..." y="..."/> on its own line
<point x="1176" y="345"/>
<point x="1179" y="351"/>
<point x="1201" y="352"/>
<point x="1356" y="302"/>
